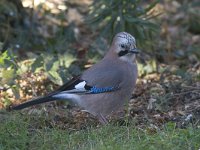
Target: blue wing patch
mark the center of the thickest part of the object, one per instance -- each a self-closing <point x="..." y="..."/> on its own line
<point x="95" y="90"/>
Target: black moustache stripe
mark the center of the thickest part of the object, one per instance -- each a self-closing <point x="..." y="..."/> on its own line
<point x="122" y="53"/>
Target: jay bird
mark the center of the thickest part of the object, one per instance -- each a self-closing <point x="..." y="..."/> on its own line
<point x="103" y="88"/>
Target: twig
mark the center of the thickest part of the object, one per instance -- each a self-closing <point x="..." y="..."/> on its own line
<point x="185" y="92"/>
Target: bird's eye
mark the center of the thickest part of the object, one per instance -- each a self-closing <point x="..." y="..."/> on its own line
<point x="122" y="46"/>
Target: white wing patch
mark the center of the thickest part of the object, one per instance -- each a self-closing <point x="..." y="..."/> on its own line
<point x="81" y="85"/>
<point x="78" y="89"/>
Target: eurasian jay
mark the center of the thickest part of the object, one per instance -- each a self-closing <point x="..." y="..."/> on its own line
<point x="103" y="88"/>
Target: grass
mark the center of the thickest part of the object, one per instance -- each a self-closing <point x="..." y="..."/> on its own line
<point x="18" y="132"/>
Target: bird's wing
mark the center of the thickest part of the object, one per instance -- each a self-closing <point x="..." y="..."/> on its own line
<point x="106" y="73"/>
<point x="75" y="86"/>
<point x="80" y="86"/>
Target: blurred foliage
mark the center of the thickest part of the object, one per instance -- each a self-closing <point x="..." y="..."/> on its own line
<point x="25" y="37"/>
<point x="178" y="42"/>
<point x="12" y="73"/>
<point x="192" y="18"/>
<point x="8" y="75"/>
<point x="16" y="30"/>
<point x="8" y="68"/>
<point x="55" y="67"/>
<point x="30" y="29"/>
<point x="44" y="41"/>
<point x="116" y="16"/>
<point x="147" y="68"/>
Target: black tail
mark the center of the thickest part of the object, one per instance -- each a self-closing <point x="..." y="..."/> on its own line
<point x="48" y="98"/>
<point x="36" y="101"/>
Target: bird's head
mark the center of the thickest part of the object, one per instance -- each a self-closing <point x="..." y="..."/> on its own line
<point x="124" y="45"/>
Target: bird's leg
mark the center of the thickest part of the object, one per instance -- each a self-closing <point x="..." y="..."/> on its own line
<point x="102" y="119"/>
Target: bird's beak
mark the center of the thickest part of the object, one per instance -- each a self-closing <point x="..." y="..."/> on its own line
<point x="135" y="51"/>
